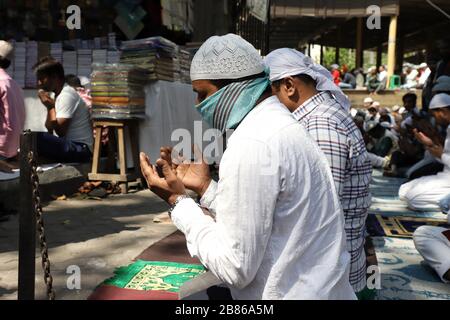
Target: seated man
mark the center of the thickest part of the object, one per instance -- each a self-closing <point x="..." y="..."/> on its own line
<point x="12" y="109"/>
<point x="433" y="243"/>
<point x="67" y="115"/>
<point x="426" y="192"/>
<point x="278" y="231"/>
<point x="372" y="82"/>
<point x="384" y="142"/>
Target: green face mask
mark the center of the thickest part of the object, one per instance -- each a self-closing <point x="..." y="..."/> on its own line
<point x="226" y="108"/>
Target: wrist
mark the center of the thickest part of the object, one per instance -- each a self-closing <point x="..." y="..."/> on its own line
<point x="204" y="187"/>
<point x="173" y="199"/>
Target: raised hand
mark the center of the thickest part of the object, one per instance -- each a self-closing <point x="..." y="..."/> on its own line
<point x="167" y="188"/>
<point x="423" y="139"/>
<point x="194" y="175"/>
<point x="46" y="100"/>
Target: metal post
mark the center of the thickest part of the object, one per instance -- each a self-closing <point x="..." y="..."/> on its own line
<point x="27" y="221"/>
<point x="267" y="40"/>
<point x="359" y="43"/>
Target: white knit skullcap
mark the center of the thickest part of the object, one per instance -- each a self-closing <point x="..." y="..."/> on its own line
<point x="226" y="57"/>
<point x="441" y="100"/>
<point x="368" y="100"/>
<point x="6" y="50"/>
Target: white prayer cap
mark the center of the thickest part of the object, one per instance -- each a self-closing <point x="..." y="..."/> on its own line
<point x="395" y="108"/>
<point x="375" y="104"/>
<point x="84" y="81"/>
<point x="423" y="65"/>
<point x="441" y="100"/>
<point x="335" y="66"/>
<point x="287" y="62"/>
<point x="226" y="57"/>
<point x="368" y="100"/>
<point x="6" y="50"/>
<point x="442" y="84"/>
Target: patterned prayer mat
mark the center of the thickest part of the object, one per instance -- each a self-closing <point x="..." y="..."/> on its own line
<point x="400" y="227"/>
<point x="154" y="275"/>
<point x="157" y="274"/>
<point x="147" y="280"/>
<point x="404" y="275"/>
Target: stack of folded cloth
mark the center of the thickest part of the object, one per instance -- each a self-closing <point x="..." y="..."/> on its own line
<point x="157" y="55"/>
<point x="118" y="91"/>
<point x="185" y="66"/>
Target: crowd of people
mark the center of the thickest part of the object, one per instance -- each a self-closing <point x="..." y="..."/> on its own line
<point x="286" y="218"/>
<point x="415" y="144"/>
<point x="376" y="79"/>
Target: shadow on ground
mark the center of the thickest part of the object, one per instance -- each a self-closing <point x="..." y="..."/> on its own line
<point x="75" y="221"/>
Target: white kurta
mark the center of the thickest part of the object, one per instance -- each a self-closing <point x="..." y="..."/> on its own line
<point x="426" y="192"/>
<point x="279" y="229"/>
<point x="434" y="247"/>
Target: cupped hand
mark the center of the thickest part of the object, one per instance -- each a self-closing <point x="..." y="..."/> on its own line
<point x="168" y="187"/>
<point x="194" y="175"/>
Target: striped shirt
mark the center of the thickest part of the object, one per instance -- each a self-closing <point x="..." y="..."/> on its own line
<point x="341" y="141"/>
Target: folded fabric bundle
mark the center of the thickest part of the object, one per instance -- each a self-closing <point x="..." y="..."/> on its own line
<point x="130" y="100"/>
<point x="118" y="91"/>
<point x="161" y="58"/>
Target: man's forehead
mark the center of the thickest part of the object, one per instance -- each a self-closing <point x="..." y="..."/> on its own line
<point x="198" y="85"/>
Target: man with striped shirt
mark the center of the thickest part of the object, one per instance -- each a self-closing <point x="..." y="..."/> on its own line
<point x="308" y="91"/>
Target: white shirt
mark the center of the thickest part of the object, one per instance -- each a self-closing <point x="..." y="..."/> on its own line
<point x="279" y="229"/>
<point x="69" y="105"/>
<point x="445" y="158"/>
<point x="382" y="75"/>
<point x="424" y="76"/>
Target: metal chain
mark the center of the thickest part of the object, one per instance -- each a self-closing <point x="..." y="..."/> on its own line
<point x="48" y="279"/>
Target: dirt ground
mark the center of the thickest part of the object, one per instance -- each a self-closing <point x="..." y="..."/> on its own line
<point x="95" y="235"/>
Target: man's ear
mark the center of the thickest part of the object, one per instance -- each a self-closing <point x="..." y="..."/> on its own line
<point x="289" y="86"/>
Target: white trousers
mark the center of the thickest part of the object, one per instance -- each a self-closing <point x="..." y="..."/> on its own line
<point x="434" y="247"/>
<point x="424" y="193"/>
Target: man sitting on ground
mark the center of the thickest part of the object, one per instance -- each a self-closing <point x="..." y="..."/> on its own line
<point x="425" y="193"/>
<point x="433" y="243"/>
<point x="67" y="116"/>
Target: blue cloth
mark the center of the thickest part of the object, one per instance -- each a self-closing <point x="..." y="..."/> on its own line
<point x="226" y="108"/>
<point x="444" y="204"/>
<point x="61" y="150"/>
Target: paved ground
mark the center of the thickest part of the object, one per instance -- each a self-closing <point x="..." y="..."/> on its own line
<point x="95" y="235"/>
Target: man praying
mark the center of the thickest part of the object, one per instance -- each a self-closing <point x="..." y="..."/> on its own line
<point x="278" y="231"/>
<point x="308" y="91"/>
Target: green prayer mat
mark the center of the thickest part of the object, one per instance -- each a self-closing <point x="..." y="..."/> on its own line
<point x="366" y="294"/>
<point x="154" y="275"/>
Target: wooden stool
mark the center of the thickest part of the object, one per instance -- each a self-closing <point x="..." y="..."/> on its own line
<point x="123" y="177"/>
